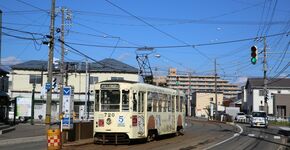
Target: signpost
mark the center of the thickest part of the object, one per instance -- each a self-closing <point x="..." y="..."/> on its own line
<point x="67" y="119"/>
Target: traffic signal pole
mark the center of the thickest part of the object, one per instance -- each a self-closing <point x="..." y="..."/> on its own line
<point x="265" y="77"/>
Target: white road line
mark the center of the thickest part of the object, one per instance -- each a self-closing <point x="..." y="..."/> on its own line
<point x="235" y="135"/>
<point x="251" y="135"/>
<point x="277" y="137"/>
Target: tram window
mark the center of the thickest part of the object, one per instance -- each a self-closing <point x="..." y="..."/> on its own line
<point x="165" y="103"/>
<point x="97" y="100"/>
<point x="160" y="105"/>
<point x="181" y="102"/>
<point x="134" y="102"/>
<point x="110" y="100"/>
<point x="173" y="104"/>
<point x="125" y="100"/>
<point x="149" y="101"/>
<point x="141" y="102"/>
<point x="154" y="105"/>
<point x="177" y="103"/>
<point x="169" y="103"/>
<point x="155" y="98"/>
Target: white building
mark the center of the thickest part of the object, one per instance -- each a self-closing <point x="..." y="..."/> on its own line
<point x="24" y="75"/>
<point x="255" y="93"/>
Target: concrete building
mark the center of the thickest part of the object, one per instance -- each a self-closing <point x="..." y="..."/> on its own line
<point x="201" y="102"/>
<point x="281" y="105"/>
<point x="255" y="93"/>
<point x="201" y="83"/>
<point x="24" y="75"/>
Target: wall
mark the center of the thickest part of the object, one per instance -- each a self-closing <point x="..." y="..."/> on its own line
<point x="202" y="101"/>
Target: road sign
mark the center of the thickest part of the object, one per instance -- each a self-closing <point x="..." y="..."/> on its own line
<point x="67" y="107"/>
<point x="47" y="86"/>
<point x="67" y="91"/>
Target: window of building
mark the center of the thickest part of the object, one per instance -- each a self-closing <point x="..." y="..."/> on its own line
<point x="261" y="92"/>
<point x="34" y="79"/>
<point x="94" y="80"/>
<point x="117" y="78"/>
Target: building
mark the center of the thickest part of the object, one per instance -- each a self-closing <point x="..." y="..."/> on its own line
<point x="255" y="93"/>
<point x="24" y="75"/>
<point x="201" y="102"/>
<point x="201" y="83"/>
<point x="4" y="97"/>
<point x="281" y="105"/>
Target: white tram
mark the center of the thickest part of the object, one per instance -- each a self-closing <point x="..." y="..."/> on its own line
<point x="126" y="110"/>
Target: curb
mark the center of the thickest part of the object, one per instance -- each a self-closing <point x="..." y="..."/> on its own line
<point x="7" y="130"/>
<point x="22" y="140"/>
<point x="79" y="143"/>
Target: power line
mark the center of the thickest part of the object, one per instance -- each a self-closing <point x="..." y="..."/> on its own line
<point x="183" y="46"/>
<point x="33" y="6"/>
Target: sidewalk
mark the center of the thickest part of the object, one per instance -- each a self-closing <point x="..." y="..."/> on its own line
<point x="26" y="133"/>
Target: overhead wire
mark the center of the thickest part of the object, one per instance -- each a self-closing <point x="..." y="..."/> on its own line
<point x="150" y="25"/>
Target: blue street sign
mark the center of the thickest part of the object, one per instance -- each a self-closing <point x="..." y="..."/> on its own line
<point x="47" y="86"/>
<point x="66" y="91"/>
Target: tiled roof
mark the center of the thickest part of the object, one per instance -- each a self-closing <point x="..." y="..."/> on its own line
<point x="272" y="83"/>
<point x="105" y="65"/>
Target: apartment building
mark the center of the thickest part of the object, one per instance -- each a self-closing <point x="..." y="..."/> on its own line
<point x="201" y="84"/>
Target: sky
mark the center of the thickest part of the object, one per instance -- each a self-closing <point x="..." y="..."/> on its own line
<point x="184" y="34"/>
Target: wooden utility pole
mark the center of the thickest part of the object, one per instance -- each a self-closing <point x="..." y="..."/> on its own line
<point x="50" y="64"/>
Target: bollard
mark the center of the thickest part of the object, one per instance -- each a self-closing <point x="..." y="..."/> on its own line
<point x="53" y="139"/>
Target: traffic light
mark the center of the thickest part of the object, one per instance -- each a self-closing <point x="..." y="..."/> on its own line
<point x="254" y="54"/>
<point x="266" y="99"/>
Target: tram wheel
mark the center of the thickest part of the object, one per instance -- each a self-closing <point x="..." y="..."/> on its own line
<point x="151" y="136"/>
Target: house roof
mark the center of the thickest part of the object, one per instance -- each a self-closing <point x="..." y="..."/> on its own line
<point x="105" y="65"/>
<point x="272" y="83"/>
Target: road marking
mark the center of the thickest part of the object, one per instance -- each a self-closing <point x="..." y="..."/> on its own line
<point x="277" y="137"/>
<point x="251" y="135"/>
<point x="235" y="135"/>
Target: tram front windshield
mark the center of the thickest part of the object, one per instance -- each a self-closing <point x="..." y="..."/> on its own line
<point x="110" y="100"/>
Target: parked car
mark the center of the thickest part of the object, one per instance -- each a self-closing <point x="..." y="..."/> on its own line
<point x="241" y="117"/>
<point x="259" y="119"/>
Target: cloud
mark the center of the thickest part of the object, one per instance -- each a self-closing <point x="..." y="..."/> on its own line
<point x="123" y="56"/>
<point x="11" y="60"/>
<point x="241" y="81"/>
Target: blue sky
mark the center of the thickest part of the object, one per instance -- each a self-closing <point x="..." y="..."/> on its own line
<point x="161" y="23"/>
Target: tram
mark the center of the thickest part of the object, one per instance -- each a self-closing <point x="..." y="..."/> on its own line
<point x="126" y="111"/>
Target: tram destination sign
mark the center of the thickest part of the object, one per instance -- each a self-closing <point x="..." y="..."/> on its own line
<point x="109" y="86"/>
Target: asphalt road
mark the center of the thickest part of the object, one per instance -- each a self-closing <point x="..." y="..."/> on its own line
<point x="197" y="135"/>
<point x="256" y="139"/>
<point x="40" y="145"/>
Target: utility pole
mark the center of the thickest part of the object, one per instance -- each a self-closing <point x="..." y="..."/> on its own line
<point x="265" y="78"/>
<point x="0" y="35"/>
<point x="32" y="104"/>
<point x="188" y="99"/>
<point x="88" y="94"/>
<point x="215" y="87"/>
<point x="50" y="64"/>
<point x="62" y="63"/>
<point x="86" y="90"/>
